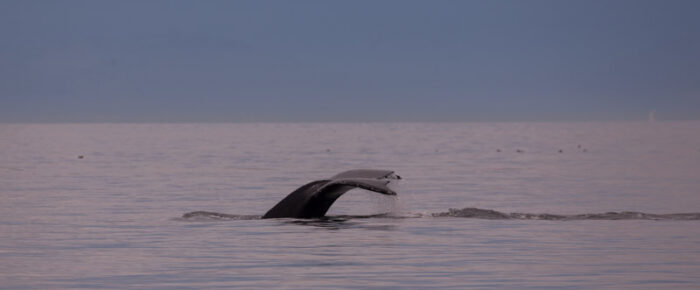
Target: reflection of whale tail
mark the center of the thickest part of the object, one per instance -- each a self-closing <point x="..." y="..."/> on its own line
<point x="315" y="198"/>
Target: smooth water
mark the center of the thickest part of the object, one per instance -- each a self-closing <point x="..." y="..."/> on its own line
<point x="114" y="218"/>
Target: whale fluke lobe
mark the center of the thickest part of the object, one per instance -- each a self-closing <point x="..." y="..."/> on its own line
<point x="367" y="173"/>
<point x="315" y="198"/>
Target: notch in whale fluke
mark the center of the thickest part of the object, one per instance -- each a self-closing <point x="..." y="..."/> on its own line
<point x="315" y="198"/>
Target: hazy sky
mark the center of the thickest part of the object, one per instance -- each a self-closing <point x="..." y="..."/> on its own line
<point x="160" y="61"/>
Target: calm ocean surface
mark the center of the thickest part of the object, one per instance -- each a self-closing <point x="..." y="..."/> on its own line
<point x="113" y="219"/>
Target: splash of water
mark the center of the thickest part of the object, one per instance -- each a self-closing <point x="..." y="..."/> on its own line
<point x="467" y="212"/>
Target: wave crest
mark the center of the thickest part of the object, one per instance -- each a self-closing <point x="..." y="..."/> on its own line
<point x="209" y="215"/>
<point x="472" y="212"/>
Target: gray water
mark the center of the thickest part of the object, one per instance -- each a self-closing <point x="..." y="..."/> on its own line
<point x="481" y="205"/>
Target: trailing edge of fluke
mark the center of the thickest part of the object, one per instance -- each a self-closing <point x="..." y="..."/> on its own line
<point x="315" y="198"/>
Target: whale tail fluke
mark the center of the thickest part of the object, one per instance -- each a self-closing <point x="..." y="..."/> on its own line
<point x="315" y="198"/>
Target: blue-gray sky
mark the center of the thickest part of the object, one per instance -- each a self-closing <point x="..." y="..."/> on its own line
<point x="212" y="61"/>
